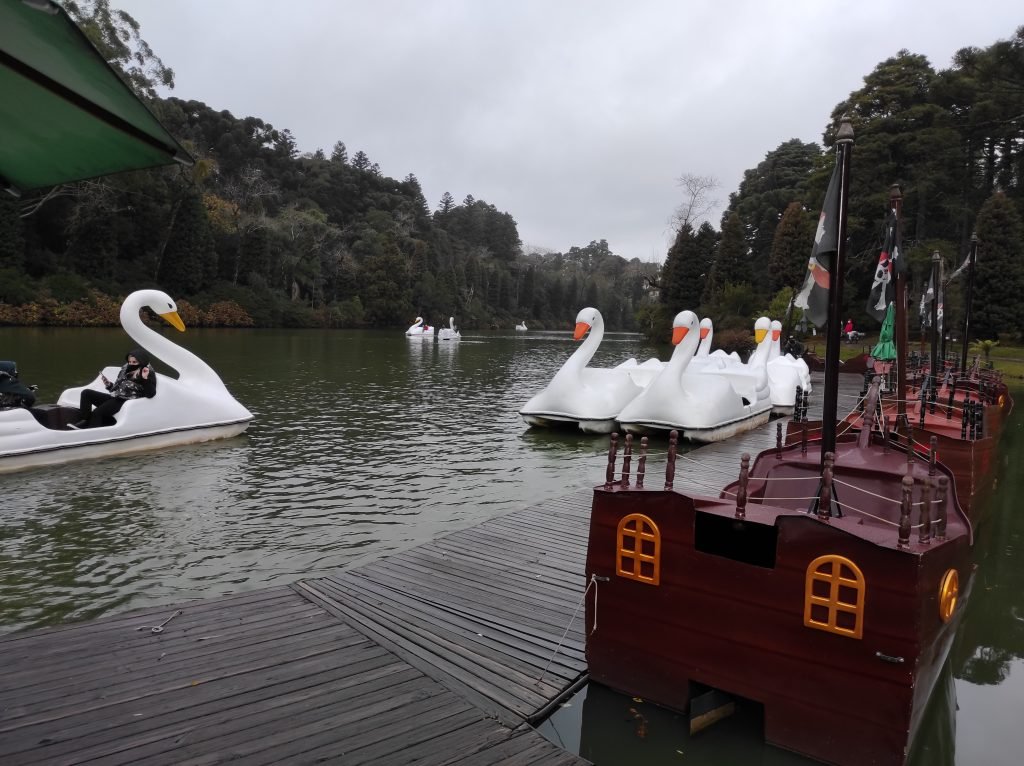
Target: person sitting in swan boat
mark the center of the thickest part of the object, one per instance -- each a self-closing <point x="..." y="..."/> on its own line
<point x="14" y="393"/>
<point x="135" y="381"/>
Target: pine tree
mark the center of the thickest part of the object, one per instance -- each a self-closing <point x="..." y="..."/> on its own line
<point x="12" y="238"/>
<point x="683" y="275"/>
<point x="787" y="264"/>
<point x="190" y="259"/>
<point x="999" y="281"/>
<point x="446" y="205"/>
<point x="731" y="266"/>
<point x="360" y="161"/>
<point x="339" y="153"/>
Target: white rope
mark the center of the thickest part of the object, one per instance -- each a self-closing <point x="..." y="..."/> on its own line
<point x="865" y="491"/>
<point x="593" y="581"/>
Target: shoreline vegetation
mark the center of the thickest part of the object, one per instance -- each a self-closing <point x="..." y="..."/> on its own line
<point x="260" y="234"/>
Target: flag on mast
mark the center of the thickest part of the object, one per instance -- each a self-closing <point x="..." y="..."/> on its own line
<point x="813" y="296"/>
<point x="883" y="288"/>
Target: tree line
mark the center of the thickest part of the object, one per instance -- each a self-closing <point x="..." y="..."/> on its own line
<point x="272" y="237"/>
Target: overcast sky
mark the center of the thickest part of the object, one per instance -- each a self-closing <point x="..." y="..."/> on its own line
<point x="577" y="118"/>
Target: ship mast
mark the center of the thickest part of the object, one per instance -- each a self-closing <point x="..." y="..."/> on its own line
<point x="836" y="275"/>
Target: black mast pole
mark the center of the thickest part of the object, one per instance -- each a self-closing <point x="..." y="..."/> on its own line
<point x="972" y="259"/>
<point x="902" y="341"/>
<point x="836" y="274"/>
<point x="933" y="369"/>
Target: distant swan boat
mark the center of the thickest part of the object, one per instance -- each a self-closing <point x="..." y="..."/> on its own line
<point x="521" y="327"/>
<point x="418" y="328"/>
<point x="449" y="332"/>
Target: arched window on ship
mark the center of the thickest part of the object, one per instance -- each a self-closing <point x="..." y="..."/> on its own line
<point x="638" y="553"/>
<point x="834" y="593"/>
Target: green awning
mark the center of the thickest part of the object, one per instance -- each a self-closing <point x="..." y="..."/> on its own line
<point x="65" y="115"/>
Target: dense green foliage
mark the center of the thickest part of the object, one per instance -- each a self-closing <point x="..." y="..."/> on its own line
<point x="324" y="239"/>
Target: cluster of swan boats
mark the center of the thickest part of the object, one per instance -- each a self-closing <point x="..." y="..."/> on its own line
<point x="705" y="395"/>
<point x="194" y="407"/>
<point x="420" y="330"/>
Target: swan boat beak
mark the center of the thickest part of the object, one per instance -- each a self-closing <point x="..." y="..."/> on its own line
<point x="759" y="335"/>
<point x="172" y="318"/>
<point x="678" y="333"/>
<point x="703" y="332"/>
<point x="776" y="334"/>
<point x="581" y="330"/>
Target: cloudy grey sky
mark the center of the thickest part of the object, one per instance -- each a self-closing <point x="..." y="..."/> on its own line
<point x="578" y="118"/>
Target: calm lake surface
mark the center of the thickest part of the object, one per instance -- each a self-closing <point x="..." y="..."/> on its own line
<point x="365" y="443"/>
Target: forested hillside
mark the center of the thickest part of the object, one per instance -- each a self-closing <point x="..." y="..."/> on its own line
<point x="953" y="140"/>
<point x="257" y="234"/>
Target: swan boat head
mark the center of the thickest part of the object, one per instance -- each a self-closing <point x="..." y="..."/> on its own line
<point x="707" y="333"/>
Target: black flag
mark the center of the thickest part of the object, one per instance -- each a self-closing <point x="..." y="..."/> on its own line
<point x="883" y="287"/>
<point x="813" y="296"/>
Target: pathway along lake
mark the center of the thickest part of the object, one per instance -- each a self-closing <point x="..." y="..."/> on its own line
<point x="367" y="442"/>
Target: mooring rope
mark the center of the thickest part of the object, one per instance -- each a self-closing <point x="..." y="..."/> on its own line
<point x="593" y="582"/>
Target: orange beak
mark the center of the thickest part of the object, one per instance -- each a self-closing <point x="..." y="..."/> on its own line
<point x="776" y="334"/>
<point x="580" y="331"/>
<point x="704" y="332"/>
<point x="678" y="333"/>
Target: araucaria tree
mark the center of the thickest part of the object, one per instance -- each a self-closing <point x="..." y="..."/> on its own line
<point x="999" y="282"/>
<point x="731" y="266"/>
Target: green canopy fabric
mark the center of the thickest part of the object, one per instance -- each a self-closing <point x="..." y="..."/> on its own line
<point x="65" y="115"/>
<point x="885" y="349"/>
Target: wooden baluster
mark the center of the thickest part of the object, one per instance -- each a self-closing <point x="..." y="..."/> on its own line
<point x="778" y="440"/>
<point x="803" y="438"/>
<point x="741" y="491"/>
<point x="670" y="469"/>
<point x="825" y="495"/>
<point x="609" y="474"/>
<point x="963" y="416"/>
<point x="940" y="508"/>
<point x="807" y="403"/>
<point x="627" y="458"/>
<point x="903" y="541"/>
<point x="981" y="421"/>
<point x="952" y="396"/>
<point x="924" y="531"/>
<point x="641" y="467"/>
<point x="796" y="403"/>
<point x="933" y="455"/>
<point x="885" y="435"/>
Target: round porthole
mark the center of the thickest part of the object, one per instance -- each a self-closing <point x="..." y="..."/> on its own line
<point x="949" y="591"/>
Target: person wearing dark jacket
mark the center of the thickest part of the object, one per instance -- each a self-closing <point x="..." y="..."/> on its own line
<point x="13" y="393"/>
<point x="135" y="381"/>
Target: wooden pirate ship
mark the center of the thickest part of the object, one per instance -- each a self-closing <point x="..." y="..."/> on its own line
<point x="825" y="583"/>
<point x="956" y="414"/>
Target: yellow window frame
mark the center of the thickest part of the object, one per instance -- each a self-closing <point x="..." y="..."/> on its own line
<point x="633" y="532"/>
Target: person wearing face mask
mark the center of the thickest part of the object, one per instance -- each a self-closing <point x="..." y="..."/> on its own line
<point x="135" y="380"/>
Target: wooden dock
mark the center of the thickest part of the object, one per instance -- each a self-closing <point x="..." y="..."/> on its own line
<point x="442" y="654"/>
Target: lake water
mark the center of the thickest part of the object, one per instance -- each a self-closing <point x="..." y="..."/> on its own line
<point x="367" y="442"/>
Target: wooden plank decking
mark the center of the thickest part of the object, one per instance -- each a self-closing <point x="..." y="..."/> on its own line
<point x="441" y="654"/>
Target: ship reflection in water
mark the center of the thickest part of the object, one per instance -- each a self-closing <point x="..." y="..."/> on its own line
<point x="611" y="729"/>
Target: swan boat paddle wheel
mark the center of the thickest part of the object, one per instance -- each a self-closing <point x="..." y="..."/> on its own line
<point x="825" y="583"/>
<point x="195" y="407"/>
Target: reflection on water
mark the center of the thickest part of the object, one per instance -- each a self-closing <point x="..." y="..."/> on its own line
<point x="363" y="443"/>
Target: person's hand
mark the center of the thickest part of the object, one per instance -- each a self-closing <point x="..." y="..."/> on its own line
<point x="145" y="373"/>
<point x="105" y="380"/>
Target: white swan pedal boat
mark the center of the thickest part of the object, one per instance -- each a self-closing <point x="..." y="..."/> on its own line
<point x="702" y="405"/>
<point x="418" y="329"/>
<point x="195" y="407"/>
<point x="587" y="397"/>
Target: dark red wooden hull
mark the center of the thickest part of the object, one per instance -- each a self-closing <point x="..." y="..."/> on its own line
<point x="715" y="618"/>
